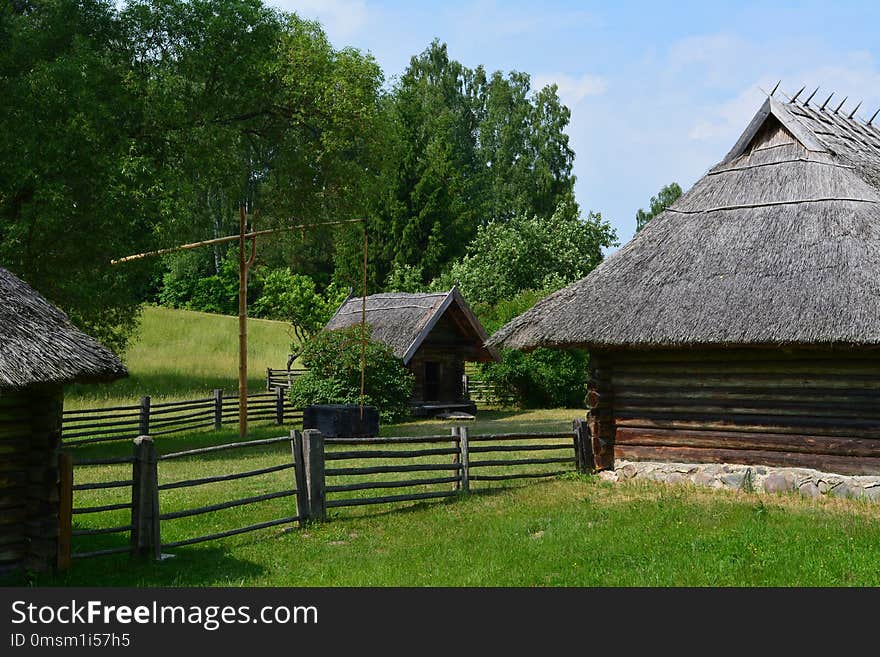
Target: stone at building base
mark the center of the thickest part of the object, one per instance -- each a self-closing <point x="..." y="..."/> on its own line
<point x="342" y="420"/>
<point x="751" y="478"/>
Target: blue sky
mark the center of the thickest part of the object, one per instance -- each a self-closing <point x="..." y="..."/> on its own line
<point x="658" y="92"/>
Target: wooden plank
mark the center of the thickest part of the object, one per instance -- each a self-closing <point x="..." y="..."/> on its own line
<point x="218" y="448"/>
<point x="808" y="444"/>
<point x="186" y="513"/>
<point x="857" y="465"/>
<point x="313" y="453"/>
<point x="401" y="483"/>
<point x="186" y="483"/>
<point x="501" y="462"/>
<point x="232" y="532"/>
<point x="65" y="509"/>
<point x="388" y="499"/>
<point x="380" y="469"/>
<point x="389" y="454"/>
<point x="751" y="425"/>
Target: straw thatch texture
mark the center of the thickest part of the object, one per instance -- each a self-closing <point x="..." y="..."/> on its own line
<point x="779" y="244"/>
<point x="396" y="319"/>
<point x="39" y="344"/>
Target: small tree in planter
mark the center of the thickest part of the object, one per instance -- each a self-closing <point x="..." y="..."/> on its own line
<point x="333" y="361"/>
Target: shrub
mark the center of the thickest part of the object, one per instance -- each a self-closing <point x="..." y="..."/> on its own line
<point x="543" y="378"/>
<point x="333" y="360"/>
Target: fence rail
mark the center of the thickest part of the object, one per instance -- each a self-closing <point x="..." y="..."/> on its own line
<point x="93" y="425"/>
<point x="281" y="378"/>
<point x="365" y="471"/>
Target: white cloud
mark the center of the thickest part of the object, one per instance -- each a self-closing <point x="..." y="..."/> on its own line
<point x="340" y="18"/>
<point x="572" y="90"/>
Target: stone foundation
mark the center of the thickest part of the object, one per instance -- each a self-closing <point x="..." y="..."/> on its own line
<point x="762" y="479"/>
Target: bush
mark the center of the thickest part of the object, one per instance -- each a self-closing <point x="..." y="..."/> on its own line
<point x="333" y="360"/>
<point x="543" y="378"/>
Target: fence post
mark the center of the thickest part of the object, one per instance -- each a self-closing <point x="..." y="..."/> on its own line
<point x="269" y="378"/>
<point x="465" y="387"/>
<point x="145" y="535"/>
<point x="218" y="409"/>
<point x="313" y="455"/>
<point x="299" y="473"/>
<point x="279" y="405"/>
<point x="65" y="509"/>
<point x="465" y="459"/>
<point x="583" y="446"/>
<point x="144" y="425"/>
<point x="456" y="457"/>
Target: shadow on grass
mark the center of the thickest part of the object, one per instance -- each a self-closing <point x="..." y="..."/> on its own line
<point x="191" y="566"/>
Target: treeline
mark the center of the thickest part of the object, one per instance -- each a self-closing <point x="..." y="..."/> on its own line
<point x="131" y="126"/>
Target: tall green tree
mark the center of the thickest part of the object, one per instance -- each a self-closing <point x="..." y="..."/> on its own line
<point x="76" y="181"/>
<point x="665" y="197"/>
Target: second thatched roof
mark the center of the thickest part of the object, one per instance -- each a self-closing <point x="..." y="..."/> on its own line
<point x="779" y="244"/>
<point x="40" y="345"/>
<point x="403" y="321"/>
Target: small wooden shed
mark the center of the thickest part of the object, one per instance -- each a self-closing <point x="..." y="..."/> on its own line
<point x="40" y="351"/>
<point x="433" y="333"/>
<point x="742" y="325"/>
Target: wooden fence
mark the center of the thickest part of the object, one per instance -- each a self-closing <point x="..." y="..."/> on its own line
<point x="281" y="378"/>
<point x="94" y="425"/>
<point x="327" y="473"/>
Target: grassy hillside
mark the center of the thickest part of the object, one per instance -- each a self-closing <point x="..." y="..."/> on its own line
<point x="181" y="354"/>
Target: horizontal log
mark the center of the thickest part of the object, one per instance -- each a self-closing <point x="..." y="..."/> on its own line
<point x="226" y="505"/>
<point x="806" y="444"/>
<point x="747" y="424"/>
<point x="816" y="367"/>
<point x="100" y="509"/>
<point x="168" y="420"/>
<point x="388" y="454"/>
<point x="767" y="381"/>
<point x="102" y="432"/>
<point x="519" y="475"/>
<point x="107" y="409"/>
<point x="856" y="465"/>
<point x="780" y="410"/>
<point x="68" y="427"/>
<point x="388" y="499"/>
<point x="106" y="461"/>
<point x="389" y="440"/>
<point x="232" y="532"/>
<point x="100" y="553"/>
<point x="672" y="392"/>
<point x="501" y="462"/>
<point x="227" y="477"/>
<point x="379" y="469"/>
<point x="518" y="448"/>
<point x="218" y="448"/>
<point x="403" y="483"/>
<point x="101" y="439"/>
<point x="537" y="435"/>
<point x="734" y="354"/>
<point x="156" y="407"/>
<point x="103" y="484"/>
<point x="102" y="530"/>
<point x="182" y="429"/>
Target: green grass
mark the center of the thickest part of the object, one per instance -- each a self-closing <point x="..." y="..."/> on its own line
<point x="567" y="531"/>
<point x="180" y="354"/>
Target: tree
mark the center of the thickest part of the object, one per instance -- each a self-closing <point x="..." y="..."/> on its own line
<point x="75" y="187"/>
<point x="666" y="197"/>
<point x="532" y="253"/>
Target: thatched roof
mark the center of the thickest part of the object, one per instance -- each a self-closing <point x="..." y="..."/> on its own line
<point x="403" y="321"/>
<point x="779" y="244"/>
<point x="39" y="344"/>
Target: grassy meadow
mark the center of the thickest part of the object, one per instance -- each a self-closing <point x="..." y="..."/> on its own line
<point x="569" y="530"/>
<point x="181" y="354"/>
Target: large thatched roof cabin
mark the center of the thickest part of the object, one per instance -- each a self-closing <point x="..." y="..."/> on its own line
<point x="433" y="333"/>
<point x="40" y="351"/>
<point x="743" y="324"/>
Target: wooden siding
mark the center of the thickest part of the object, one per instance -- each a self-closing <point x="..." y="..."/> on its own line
<point x="805" y="408"/>
<point x="30" y="432"/>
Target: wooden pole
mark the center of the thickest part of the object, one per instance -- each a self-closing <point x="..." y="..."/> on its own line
<point x="242" y="327"/>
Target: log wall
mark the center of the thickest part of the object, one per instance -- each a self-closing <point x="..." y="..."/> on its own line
<point x="30" y="433"/>
<point x="804" y="408"/>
